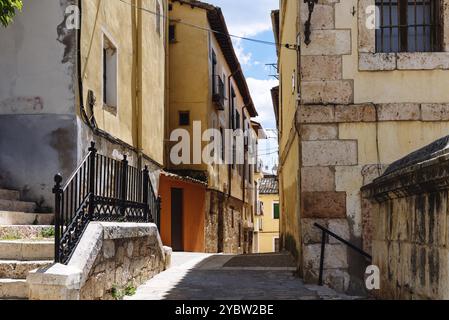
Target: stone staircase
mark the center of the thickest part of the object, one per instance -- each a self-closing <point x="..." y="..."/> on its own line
<point x="26" y="243"/>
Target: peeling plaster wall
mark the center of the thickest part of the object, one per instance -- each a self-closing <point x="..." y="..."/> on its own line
<point x="37" y="99"/>
<point x="41" y="133"/>
<point x="37" y="62"/>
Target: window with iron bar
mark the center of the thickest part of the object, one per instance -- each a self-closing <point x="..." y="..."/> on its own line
<point x="408" y="26"/>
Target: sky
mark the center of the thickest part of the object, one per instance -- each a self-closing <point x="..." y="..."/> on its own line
<point x="252" y="19"/>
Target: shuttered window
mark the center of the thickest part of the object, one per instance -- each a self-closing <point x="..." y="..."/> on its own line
<point x="276" y="212"/>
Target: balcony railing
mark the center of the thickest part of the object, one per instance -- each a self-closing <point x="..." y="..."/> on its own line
<point x="218" y="96"/>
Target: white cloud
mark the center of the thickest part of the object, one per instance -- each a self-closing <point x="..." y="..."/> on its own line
<point x="244" y="57"/>
<point x="261" y="94"/>
<point x="244" y="18"/>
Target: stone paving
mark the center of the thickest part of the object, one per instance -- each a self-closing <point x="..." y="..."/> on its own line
<point x="228" y="277"/>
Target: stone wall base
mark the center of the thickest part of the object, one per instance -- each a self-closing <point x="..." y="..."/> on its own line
<point x="224" y="231"/>
<point x="109" y="258"/>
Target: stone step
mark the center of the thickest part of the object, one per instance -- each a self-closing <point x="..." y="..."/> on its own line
<point x="9" y="195"/>
<point x="26" y="250"/>
<point x="14" y="269"/>
<point x="16" y="232"/>
<point x="17" y="206"/>
<point x="23" y="218"/>
<point x="13" y="289"/>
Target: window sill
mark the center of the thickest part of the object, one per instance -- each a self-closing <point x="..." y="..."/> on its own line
<point x="403" y="61"/>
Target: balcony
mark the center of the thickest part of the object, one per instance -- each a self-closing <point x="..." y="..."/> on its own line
<point x="218" y="96"/>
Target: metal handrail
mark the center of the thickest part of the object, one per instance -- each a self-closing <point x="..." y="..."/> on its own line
<point x="101" y="189"/>
<point x="327" y="232"/>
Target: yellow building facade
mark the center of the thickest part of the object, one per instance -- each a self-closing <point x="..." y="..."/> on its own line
<point x="207" y="90"/>
<point x="267" y="224"/>
<point x="138" y="42"/>
<point x="285" y="26"/>
<point x="94" y="71"/>
<point x="350" y="104"/>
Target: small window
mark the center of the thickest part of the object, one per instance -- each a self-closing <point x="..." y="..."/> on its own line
<point x="158" y="18"/>
<point x="276" y="212"/>
<point x="408" y="26"/>
<point x="184" y="118"/>
<point x="172" y="33"/>
<point x="110" y="67"/>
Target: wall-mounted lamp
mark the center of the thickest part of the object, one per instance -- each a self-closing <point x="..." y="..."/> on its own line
<point x="308" y="24"/>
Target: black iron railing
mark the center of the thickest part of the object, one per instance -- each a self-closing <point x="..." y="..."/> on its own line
<point x="100" y="189"/>
<point x="325" y="234"/>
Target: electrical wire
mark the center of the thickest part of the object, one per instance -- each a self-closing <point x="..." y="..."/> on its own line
<point x="287" y="45"/>
<point x="268" y="154"/>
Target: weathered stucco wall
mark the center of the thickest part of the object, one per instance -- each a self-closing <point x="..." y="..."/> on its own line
<point x="41" y="132"/>
<point x="33" y="149"/>
<point x="289" y="145"/>
<point x="109" y="258"/>
<point x="139" y="116"/>
<point x="37" y="100"/>
<point x="409" y="210"/>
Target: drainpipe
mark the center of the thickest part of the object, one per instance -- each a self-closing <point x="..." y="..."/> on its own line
<point x="83" y="113"/>
<point x="139" y="82"/>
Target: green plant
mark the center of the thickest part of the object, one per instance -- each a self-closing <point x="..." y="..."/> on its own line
<point x="8" y="10"/>
<point x="130" y="290"/>
<point x="119" y="294"/>
<point x="48" y="232"/>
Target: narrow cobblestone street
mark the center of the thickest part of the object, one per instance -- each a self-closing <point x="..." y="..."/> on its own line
<point x="227" y="277"/>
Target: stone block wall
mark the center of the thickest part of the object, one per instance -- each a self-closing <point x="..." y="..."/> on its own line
<point x="346" y="140"/>
<point x="109" y="258"/>
<point x="224" y="224"/>
<point x="122" y="263"/>
<point x="410" y="239"/>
